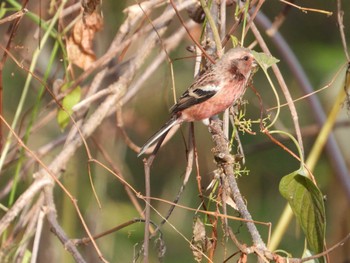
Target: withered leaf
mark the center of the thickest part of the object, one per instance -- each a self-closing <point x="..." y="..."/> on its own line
<point x="200" y="243"/>
<point x="80" y="43"/>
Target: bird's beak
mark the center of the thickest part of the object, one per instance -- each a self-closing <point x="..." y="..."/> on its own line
<point x="254" y="64"/>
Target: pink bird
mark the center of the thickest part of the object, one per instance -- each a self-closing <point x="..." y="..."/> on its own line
<point x="213" y="92"/>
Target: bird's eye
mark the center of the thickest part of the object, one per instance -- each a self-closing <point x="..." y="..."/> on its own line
<point x="245" y="58"/>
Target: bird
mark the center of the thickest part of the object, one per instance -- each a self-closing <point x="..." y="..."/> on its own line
<point x="211" y="93"/>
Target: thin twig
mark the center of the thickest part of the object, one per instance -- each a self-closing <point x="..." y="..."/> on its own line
<point x="57" y="229"/>
<point x="147" y="165"/>
<point x="283" y="86"/>
<point x="190" y="155"/>
<point x="278" y="21"/>
<point x="13" y="29"/>
<point x="38" y="234"/>
<point x="340" y="16"/>
<point x="169" y="44"/>
<point x="28" y="220"/>
<point x="307" y="9"/>
<point x="87" y="240"/>
<point x="252" y="16"/>
<point x="188" y="31"/>
<point x="14" y="16"/>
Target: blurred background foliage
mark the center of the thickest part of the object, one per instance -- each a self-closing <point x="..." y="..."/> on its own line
<point x="314" y="38"/>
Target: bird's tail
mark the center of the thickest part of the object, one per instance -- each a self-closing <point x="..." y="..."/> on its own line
<point x="163" y="131"/>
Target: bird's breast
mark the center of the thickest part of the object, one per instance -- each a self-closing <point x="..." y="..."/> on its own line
<point x="225" y="97"/>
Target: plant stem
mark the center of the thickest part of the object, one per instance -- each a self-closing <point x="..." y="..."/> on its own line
<point x="213" y="27"/>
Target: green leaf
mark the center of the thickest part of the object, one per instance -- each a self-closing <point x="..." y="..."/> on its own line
<point x="27" y="256"/>
<point x="234" y="41"/>
<point x="306" y="201"/>
<point x="307" y="253"/>
<point x="265" y="61"/>
<point x="68" y="102"/>
<point x="3" y="10"/>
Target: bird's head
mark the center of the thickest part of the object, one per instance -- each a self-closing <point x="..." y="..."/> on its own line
<point x="237" y="61"/>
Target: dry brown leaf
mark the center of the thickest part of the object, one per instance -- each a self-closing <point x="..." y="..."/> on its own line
<point x="80" y="43"/>
<point x="90" y="5"/>
<point x="200" y="243"/>
<point x="229" y="201"/>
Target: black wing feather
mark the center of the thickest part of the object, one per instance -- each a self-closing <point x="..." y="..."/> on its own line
<point x="195" y="94"/>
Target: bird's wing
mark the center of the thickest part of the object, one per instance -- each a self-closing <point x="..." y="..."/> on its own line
<point x="204" y="87"/>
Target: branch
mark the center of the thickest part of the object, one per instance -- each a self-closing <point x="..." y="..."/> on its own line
<point x="56" y="228"/>
<point x="225" y="162"/>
